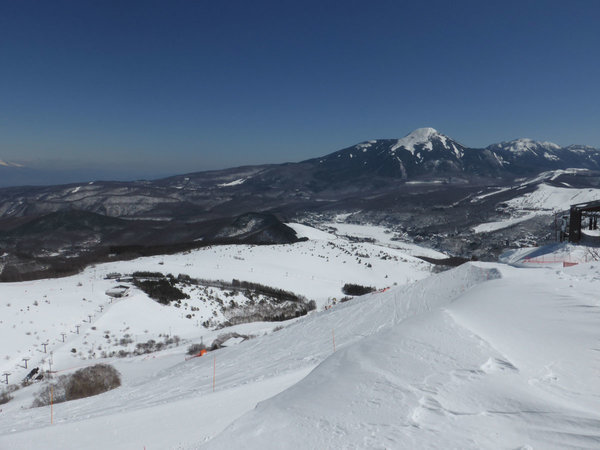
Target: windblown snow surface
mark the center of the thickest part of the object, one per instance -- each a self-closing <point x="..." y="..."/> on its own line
<point x="482" y="356"/>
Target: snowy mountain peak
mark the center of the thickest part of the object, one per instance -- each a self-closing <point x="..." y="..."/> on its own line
<point x="417" y="137"/>
<point x="423" y="134"/>
<point x="427" y="139"/>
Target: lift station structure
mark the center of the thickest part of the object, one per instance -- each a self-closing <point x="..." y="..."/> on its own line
<point x="580" y="211"/>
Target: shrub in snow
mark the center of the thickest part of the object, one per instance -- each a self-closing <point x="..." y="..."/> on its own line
<point x="356" y="289"/>
<point x="267" y="312"/>
<point x="162" y="290"/>
<point x="5" y="395"/>
<point x="92" y="381"/>
<point x="83" y="383"/>
<point x="147" y="274"/>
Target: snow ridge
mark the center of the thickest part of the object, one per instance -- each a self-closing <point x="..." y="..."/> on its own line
<point x="523" y="145"/>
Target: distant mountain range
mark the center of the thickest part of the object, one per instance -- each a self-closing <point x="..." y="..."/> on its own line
<point x="368" y="169"/>
<point x="420" y="181"/>
<point x="426" y="153"/>
<point x="422" y="154"/>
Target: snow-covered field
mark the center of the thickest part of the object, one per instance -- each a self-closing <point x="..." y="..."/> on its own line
<point x="75" y="312"/>
<point x="488" y="227"/>
<point x="551" y="198"/>
<point x="381" y="236"/>
<point x="545" y="200"/>
<point x="482" y="356"/>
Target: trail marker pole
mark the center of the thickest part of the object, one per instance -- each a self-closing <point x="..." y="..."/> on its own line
<point x="214" y="372"/>
<point x="25" y="361"/>
<point x="77" y="326"/>
<point x="51" y="404"/>
<point x="63" y="336"/>
<point x="6" y="374"/>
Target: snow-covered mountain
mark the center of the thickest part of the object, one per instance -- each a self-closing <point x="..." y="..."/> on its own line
<point x="424" y="151"/>
<point x="360" y="170"/>
<point x="520" y="156"/>
<point x="428" y="154"/>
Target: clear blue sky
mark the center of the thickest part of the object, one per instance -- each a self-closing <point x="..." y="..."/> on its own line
<point x="179" y="86"/>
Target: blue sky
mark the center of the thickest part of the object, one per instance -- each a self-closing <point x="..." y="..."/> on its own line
<point x="157" y="87"/>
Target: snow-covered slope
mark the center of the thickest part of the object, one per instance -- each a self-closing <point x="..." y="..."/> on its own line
<point x="483" y="356"/>
<point x="486" y="369"/>
<point x="424" y="151"/>
<point x="544" y="200"/>
<point x="550" y="198"/>
<point x="49" y="311"/>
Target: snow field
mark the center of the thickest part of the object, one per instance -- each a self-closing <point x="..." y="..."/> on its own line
<point x="551" y="198"/>
<point x="41" y="311"/>
<point x="293" y="350"/>
<point x="481" y="356"/>
<point x="382" y="236"/>
<point x="544" y="200"/>
<point x="510" y="363"/>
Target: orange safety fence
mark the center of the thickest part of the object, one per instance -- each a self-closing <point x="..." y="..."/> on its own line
<point x="553" y="259"/>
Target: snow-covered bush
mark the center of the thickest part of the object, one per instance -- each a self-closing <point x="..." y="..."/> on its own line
<point x="5" y="395"/>
<point x="83" y="383"/>
<point x="267" y="312"/>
